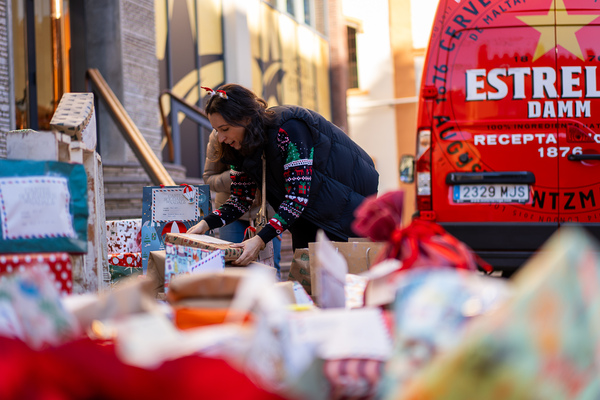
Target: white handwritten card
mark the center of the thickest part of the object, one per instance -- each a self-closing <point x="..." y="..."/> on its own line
<point x="35" y="207"/>
<point x="172" y="205"/>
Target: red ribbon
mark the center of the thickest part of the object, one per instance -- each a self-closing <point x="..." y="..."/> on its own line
<point x="379" y="218"/>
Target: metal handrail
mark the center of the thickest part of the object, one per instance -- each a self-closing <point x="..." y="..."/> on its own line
<point x="190" y="110"/>
<point x="149" y="161"/>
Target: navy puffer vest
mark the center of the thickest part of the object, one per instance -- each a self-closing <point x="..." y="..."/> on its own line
<point x="343" y="173"/>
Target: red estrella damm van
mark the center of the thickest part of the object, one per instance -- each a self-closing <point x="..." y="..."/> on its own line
<point x="508" y="141"/>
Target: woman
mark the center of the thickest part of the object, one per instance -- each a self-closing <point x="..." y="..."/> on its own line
<point x="316" y="176"/>
<point x="218" y="177"/>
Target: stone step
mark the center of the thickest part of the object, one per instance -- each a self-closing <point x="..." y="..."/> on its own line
<point x="123" y="213"/>
<point x="126" y="179"/>
<point x="135" y="194"/>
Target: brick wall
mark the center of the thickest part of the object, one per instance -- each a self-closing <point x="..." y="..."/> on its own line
<point x="140" y="69"/>
<point x="124" y="180"/>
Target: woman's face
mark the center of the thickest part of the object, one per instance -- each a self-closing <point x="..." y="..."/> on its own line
<point x="226" y="133"/>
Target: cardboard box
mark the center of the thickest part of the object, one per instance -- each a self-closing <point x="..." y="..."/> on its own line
<point x="360" y="256"/>
<point x="210" y="289"/>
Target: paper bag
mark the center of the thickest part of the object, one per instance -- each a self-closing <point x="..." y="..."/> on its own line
<point x="156" y="270"/>
<point x="331" y="268"/>
<point x="300" y="269"/>
<point x="170" y="209"/>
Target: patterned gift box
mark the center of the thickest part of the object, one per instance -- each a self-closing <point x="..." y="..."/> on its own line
<point x="75" y="116"/>
<point x="205" y="242"/>
<point x="57" y="264"/>
<point x="124" y="264"/>
<point x="185" y="260"/>
<point x="124" y="236"/>
<point x="58" y="222"/>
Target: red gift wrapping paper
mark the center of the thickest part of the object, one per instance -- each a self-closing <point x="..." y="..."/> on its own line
<point x="57" y="264"/>
<point x="123" y="236"/>
<point x="132" y="260"/>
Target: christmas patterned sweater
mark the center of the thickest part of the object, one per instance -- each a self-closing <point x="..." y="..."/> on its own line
<point x="295" y="144"/>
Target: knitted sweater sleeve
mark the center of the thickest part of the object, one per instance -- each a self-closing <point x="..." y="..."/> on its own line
<point x="243" y="192"/>
<point x="296" y="146"/>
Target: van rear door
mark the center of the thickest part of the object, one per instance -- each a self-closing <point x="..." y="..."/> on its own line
<point x="578" y="112"/>
<point x="509" y="123"/>
<point x="508" y="149"/>
<point x="488" y="173"/>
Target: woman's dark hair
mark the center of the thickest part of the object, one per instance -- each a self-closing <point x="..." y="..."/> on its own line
<point x="241" y="105"/>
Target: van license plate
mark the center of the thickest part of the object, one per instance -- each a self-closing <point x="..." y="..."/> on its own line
<point x="492" y="193"/>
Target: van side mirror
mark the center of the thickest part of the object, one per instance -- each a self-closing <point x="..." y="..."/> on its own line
<point x="407" y="169"/>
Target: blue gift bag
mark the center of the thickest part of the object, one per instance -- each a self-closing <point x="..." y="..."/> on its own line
<point x="170" y="209"/>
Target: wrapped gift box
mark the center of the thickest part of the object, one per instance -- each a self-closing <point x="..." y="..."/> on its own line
<point x="129" y="260"/>
<point x="59" y="223"/>
<point x="184" y="260"/>
<point x="124" y="236"/>
<point x="57" y="264"/>
<point x="75" y="116"/>
<point x="124" y="264"/>
<point x="205" y="242"/>
<point x="207" y="290"/>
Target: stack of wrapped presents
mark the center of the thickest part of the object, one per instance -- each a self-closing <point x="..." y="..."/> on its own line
<point x="124" y="242"/>
<point x="51" y="197"/>
<point x="139" y="308"/>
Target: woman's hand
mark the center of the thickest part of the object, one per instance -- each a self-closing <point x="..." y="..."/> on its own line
<point x="251" y="249"/>
<point x="200" y="228"/>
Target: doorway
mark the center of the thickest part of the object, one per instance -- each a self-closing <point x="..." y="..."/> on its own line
<point x="41" y="43"/>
